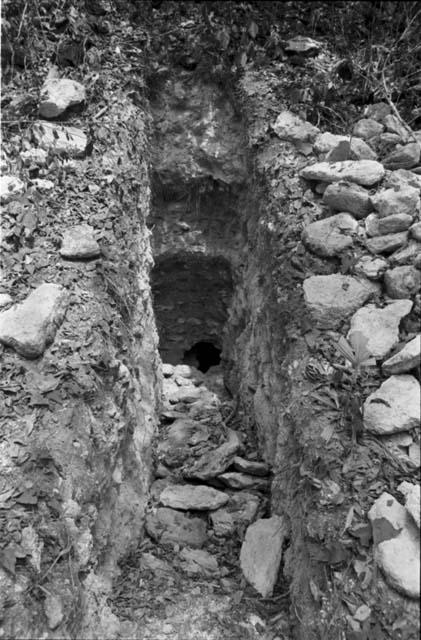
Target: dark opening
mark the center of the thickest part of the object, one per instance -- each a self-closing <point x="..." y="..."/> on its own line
<point x="202" y="355"/>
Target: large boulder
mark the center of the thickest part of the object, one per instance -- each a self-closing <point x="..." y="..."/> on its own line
<point x="329" y="237"/>
<point x="363" y="172"/>
<point x="380" y="326"/>
<point x="333" y="298"/>
<point x="30" y="326"/>
<point x="57" y="95"/>
<point x="392" y="201"/>
<point x="394" y="407"/>
<point x="348" y="196"/>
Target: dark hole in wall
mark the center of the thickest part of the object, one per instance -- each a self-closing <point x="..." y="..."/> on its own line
<point x="203" y="355"/>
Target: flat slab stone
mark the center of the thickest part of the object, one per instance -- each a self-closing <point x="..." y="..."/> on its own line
<point x="412" y="500"/>
<point x="347" y="196"/>
<point x="252" y="467"/>
<point x="79" y="242"/>
<point x="363" y="172"/>
<point x="261" y="553"/>
<point x="406" y="359"/>
<point x="166" y="526"/>
<point x="195" y="497"/>
<point x="290" y="127"/>
<point x="370" y="267"/>
<point x="387" y="243"/>
<point x="213" y="463"/>
<point x="331" y="236"/>
<point x="392" y="201"/>
<point x="402" y="282"/>
<point x="235" y="480"/>
<point x="240" y="510"/>
<point x="60" y="139"/>
<point x="380" y="326"/>
<point x="397" y="545"/>
<point x="396" y="222"/>
<point x="331" y="299"/>
<point x="394" y="407"/>
<point x="11" y="188"/>
<point x="30" y="326"/>
<point x="57" y="95"/>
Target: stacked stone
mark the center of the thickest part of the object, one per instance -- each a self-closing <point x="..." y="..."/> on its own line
<point x="202" y="478"/>
<point x="369" y="203"/>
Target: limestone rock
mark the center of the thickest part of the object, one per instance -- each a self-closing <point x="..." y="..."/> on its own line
<point x="189" y="496"/>
<point x="394" y="407"/>
<point x="392" y="201"/>
<point x="404" y="157"/>
<point x="380" y="326"/>
<point x="43" y="185"/>
<point x="290" y="127"/>
<point x="167" y="370"/>
<point x="329" y="237"/>
<point x="240" y="510"/>
<point x="252" y="467"/>
<point x="198" y="562"/>
<point x="397" y="542"/>
<point x="167" y="525"/>
<point x="57" y="95"/>
<point x="402" y="178"/>
<point x="213" y="463"/>
<point x="367" y="128"/>
<point x="333" y="298"/>
<point x="5" y="300"/>
<point x="235" y="480"/>
<point x="30" y="326"/>
<point x="394" y="223"/>
<point x="326" y="141"/>
<point x="53" y="607"/>
<point x="303" y="45"/>
<point x="406" y="359"/>
<point x="59" y="139"/>
<point x="351" y="149"/>
<point x="10" y="188"/>
<point x="79" y="242"/>
<point x="347" y="196"/>
<point x="394" y="125"/>
<point x="371" y="268"/>
<point x="261" y="553"/>
<point x="405" y="255"/>
<point x="387" y="243"/>
<point x="412" y="499"/>
<point x="415" y="231"/>
<point x="377" y="111"/>
<point x="402" y="282"/>
<point x="363" y="172"/>
<point x="34" y="156"/>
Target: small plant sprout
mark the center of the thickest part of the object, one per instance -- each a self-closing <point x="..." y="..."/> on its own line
<point x="355" y="351"/>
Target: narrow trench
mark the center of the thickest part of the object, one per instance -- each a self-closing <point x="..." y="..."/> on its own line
<point x="187" y="576"/>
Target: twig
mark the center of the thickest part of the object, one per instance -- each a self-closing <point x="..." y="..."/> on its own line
<point x="60" y="555"/>
<point x="21" y="21"/>
<point x="394" y="109"/>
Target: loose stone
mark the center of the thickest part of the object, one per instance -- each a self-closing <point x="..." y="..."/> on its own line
<point x="415" y="231"/>
<point x="30" y="326"/>
<point x="261" y="553"/>
<point x="352" y="149"/>
<point x="34" y="156"/>
<point x="387" y="243"/>
<point x="213" y="463"/>
<point x="167" y="370"/>
<point x="380" y="326"/>
<point x="43" y="185"/>
<point x="412" y="499"/>
<point x="60" y="139"/>
<point x="240" y="510"/>
<point x="11" y="188"/>
<point x="367" y="128"/>
<point x="406" y="255"/>
<point x="402" y="282"/>
<point x="394" y="407"/>
<point x="303" y="45"/>
<point x="329" y="237"/>
<point x="333" y="298"/>
<point x="235" y="480"/>
<point x="199" y="562"/>
<point x="79" y="242"/>
<point x="167" y="525"/>
<point x="57" y="95"/>
<point x="346" y="196"/>
<point x="406" y="157"/>
<point x="406" y="359"/>
<point x="363" y="172"/>
<point x="395" y="126"/>
<point x="391" y="201"/>
<point x="394" y="223"/>
<point x="403" y="178"/>
<point x="372" y="268"/>
<point x="396" y="541"/>
<point x="5" y="300"/>
<point x="290" y="127"/>
<point x="252" y="467"/>
<point x="196" y="497"/>
<point x="377" y="111"/>
<point x="53" y="607"/>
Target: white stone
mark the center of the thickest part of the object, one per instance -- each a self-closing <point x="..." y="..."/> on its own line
<point x="394" y="407"/>
<point x="236" y="480"/>
<point x="196" y="497"/>
<point x="380" y="326"/>
<point x="34" y="156"/>
<point x="10" y="188"/>
<point x="79" y="242"/>
<point x="367" y="128"/>
<point x="303" y="44"/>
<point x="397" y="545"/>
<point x="327" y="141"/>
<point x="363" y="172"/>
<point x="406" y="359"/>
<point x="60" y="139"/>
<point x="261" y="553"/>
<point x="391" y="201"/>
<point x="347" y="196"/>
<point x="290" y="127"/>
<point x="415" y="231"/>
<point x="57" y="95"/>
<point x="183" y="370"/>
<point x="403" y="178"/>
<point x="250" y="466"/>
<point x="333" y="298"/>
<point x="412" y="499"/>
<point x="167" y="370"/>
<point x="53" y="607"/>
<point x="30" y="326"/>
<point x="329" y="237"/>
<point x="372" y="268"/>
<point x="5" y="300"/>
<point x="43" y="185"/>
